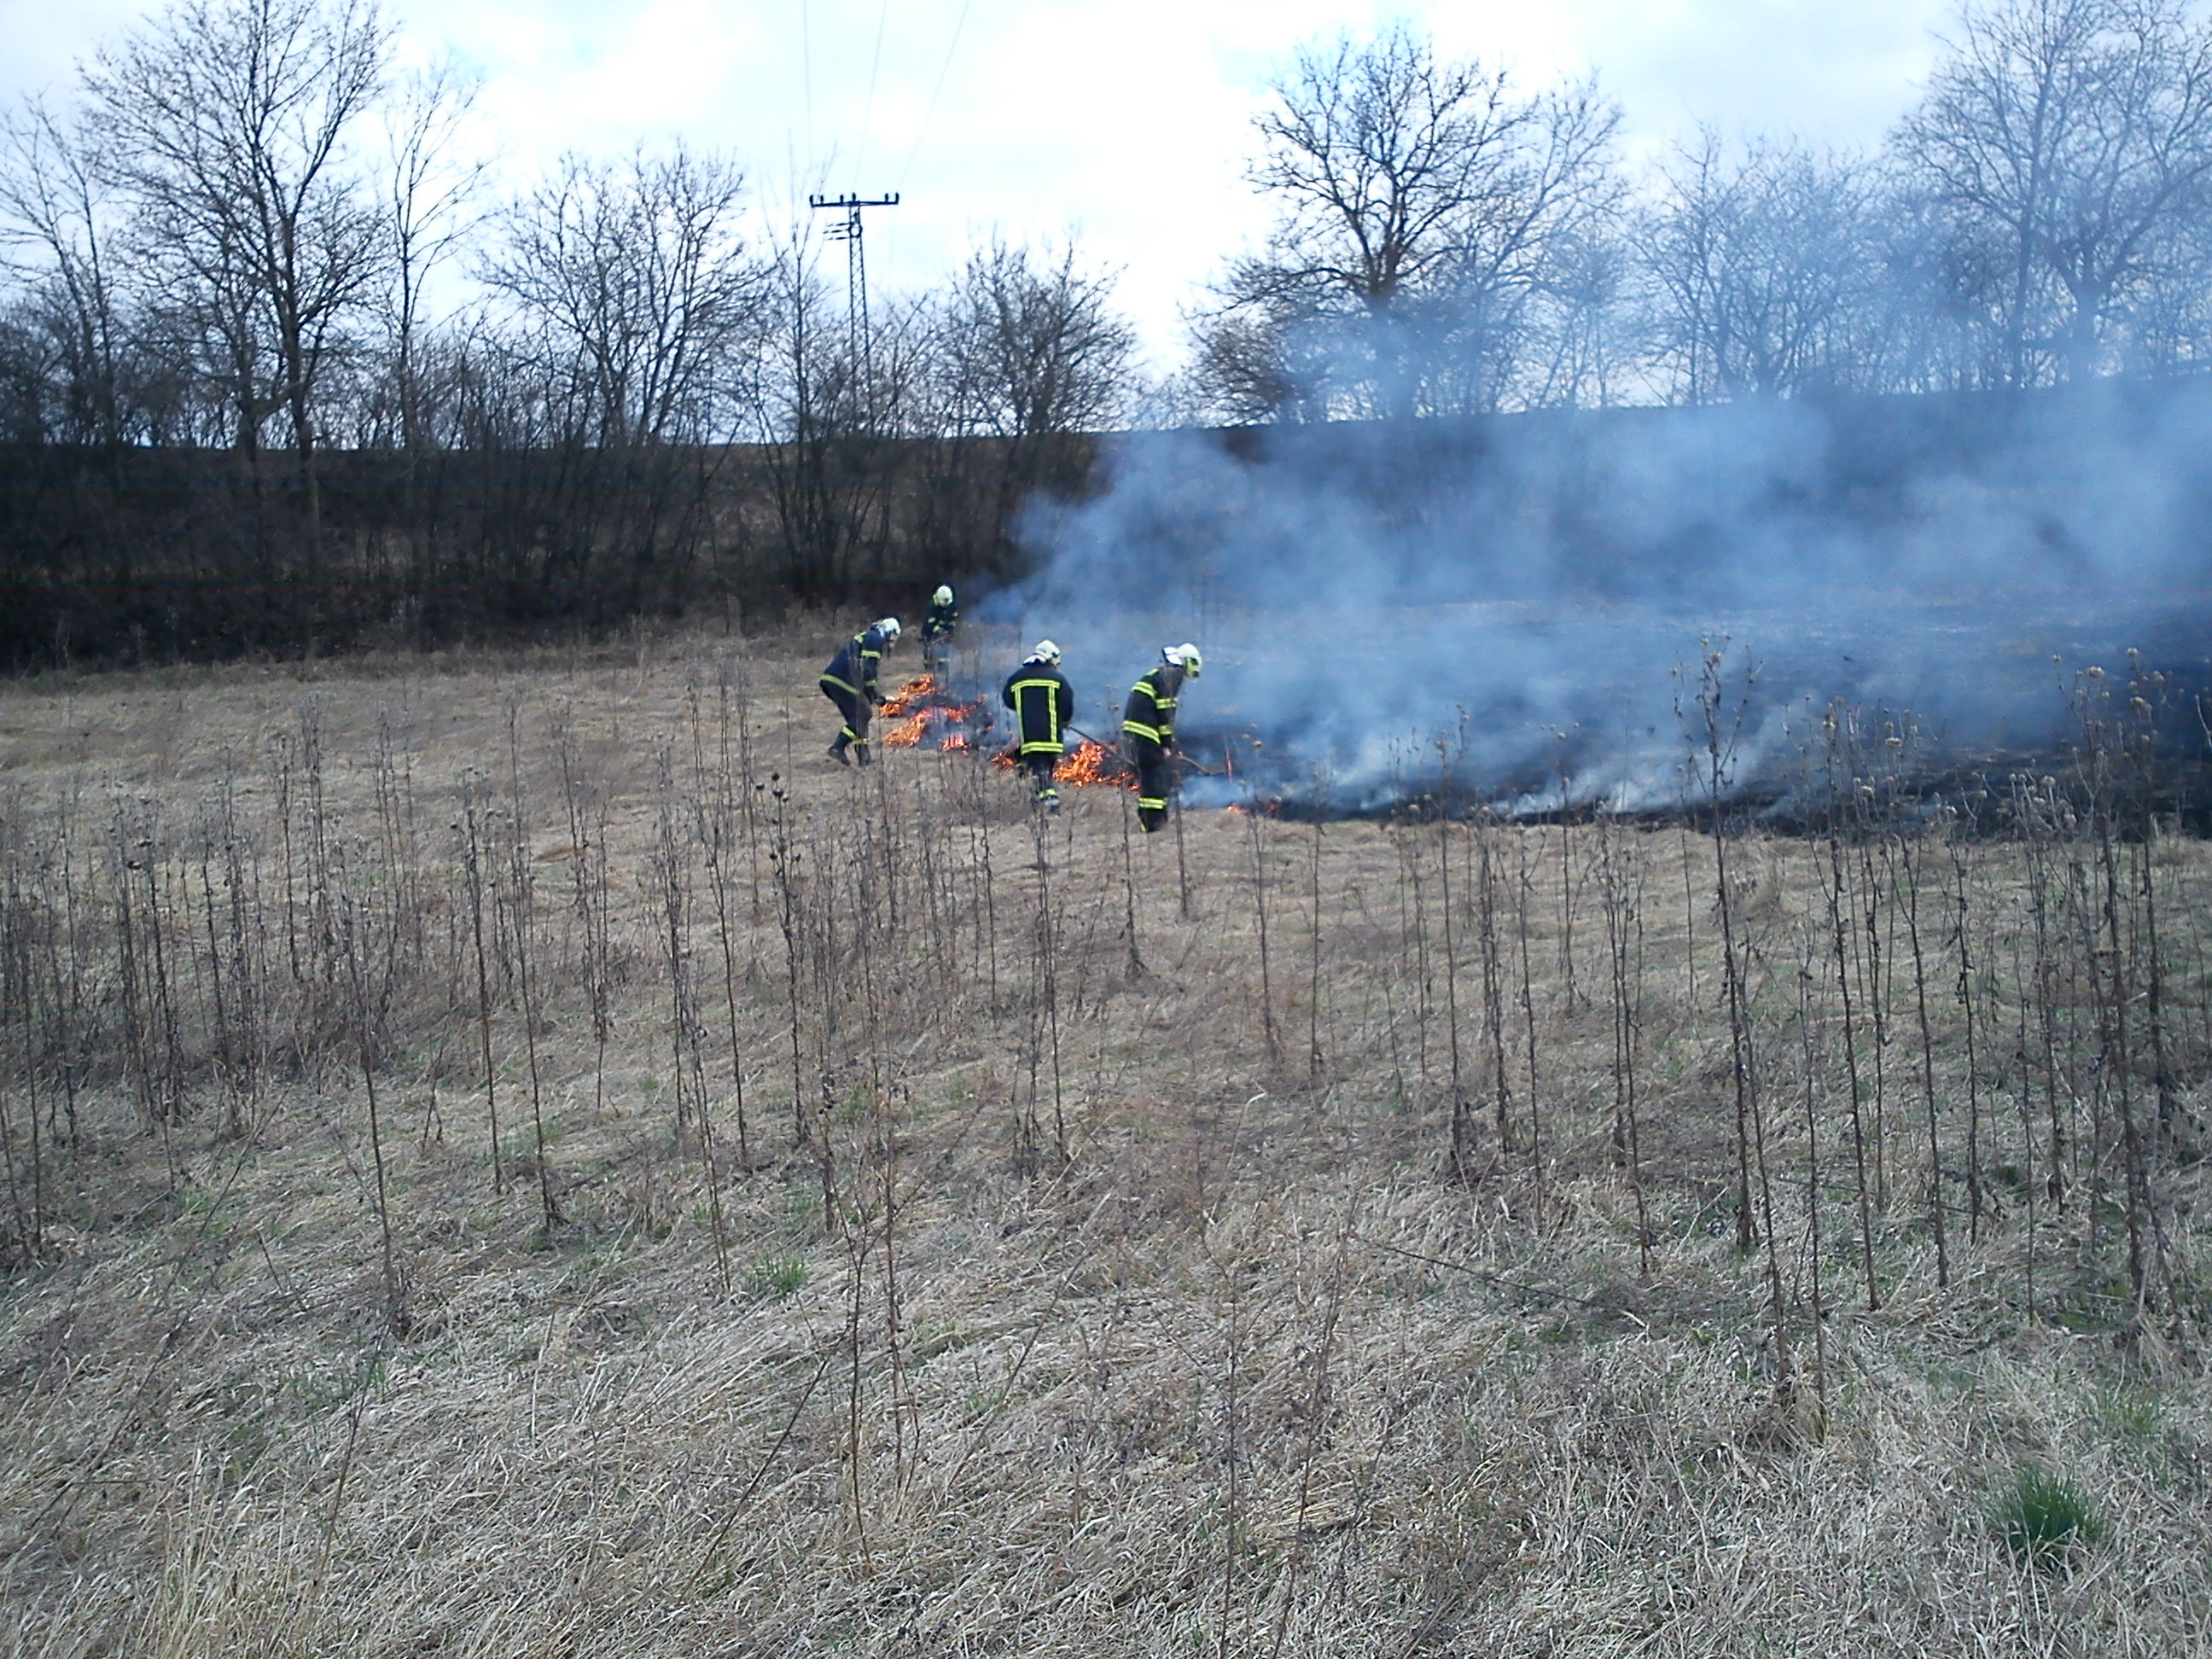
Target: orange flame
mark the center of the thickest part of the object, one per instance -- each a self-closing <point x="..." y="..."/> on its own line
<point x="925" y="713"/>
<point x="947" y="723"/>
<point x="1090" y="764"/>
<point x="902" y="701"/>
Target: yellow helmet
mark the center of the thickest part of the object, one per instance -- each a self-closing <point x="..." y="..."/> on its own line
<point x="1185" y="657"/>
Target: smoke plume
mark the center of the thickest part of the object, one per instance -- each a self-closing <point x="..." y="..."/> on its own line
<point x="1520" y="608"/>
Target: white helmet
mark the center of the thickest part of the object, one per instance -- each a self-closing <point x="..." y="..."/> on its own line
<point x="1045" y="651"/>
<point x="1185" y="657"/>
<point x="888" y="627"/>
<point x="943" y="596"/>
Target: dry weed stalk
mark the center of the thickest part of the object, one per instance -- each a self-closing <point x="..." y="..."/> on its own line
<point x="522" y="884"/>
<point x="1488" y="833"/>
<point x="1259" y="848"/>
<point x="1721" y="710"/>
<point x="1837" y="892"/>
<point x="476" y="853"/>
<point x="1621" y="866"/>
<point x="1463" y="1107"/>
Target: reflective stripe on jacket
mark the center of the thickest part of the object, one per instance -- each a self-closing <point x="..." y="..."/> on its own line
<point x="1150" y="712"/>
<point x="854" y="665"/>
<point x="1043" y="704"/>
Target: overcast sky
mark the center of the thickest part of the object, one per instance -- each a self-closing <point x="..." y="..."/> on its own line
<point x="1124" y="122"/>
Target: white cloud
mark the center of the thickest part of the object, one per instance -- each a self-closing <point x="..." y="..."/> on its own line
<point x="1126" y="121"/>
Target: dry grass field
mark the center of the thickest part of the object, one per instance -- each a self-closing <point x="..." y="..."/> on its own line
<point x="525" y="1158"/>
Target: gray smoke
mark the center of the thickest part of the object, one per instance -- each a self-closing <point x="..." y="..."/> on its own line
<point x="1520" y="606"/>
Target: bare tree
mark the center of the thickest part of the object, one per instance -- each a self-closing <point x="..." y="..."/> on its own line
<point x="838" y="421"/>
<point x="2169" y="315"/>
<point x="27" y="372"/>
<point x="1763" y="272"/>
<point x="227" y="122"/>
<point x="1030" y="361"/>
<point x="807" y="402"/>
<point x="430" y="187"/>
<point x="637" y="276"/>
<point x="58" y="215"/>
<point x="2067" y="141"/>
<point x="1030" y="345"/>
<point x="1239" y="367"/>
<point x="1575" y="339"/>
<point x="635" y="300"/>
<point x="1421" y="204"/>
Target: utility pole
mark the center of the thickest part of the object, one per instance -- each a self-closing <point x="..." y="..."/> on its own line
<point x="856" y="284"/>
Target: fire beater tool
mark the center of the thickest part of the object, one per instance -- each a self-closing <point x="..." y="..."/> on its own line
<point x="1177" y="755"/>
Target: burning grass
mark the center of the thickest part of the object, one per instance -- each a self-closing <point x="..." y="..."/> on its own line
<point x="801" y="1208"/>
<point x="914" y="694"/>
<point x="1091" y="765"/>
<point x="927" y="716"/>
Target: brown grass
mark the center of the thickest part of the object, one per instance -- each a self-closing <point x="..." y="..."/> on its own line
<point x="1107" y="1310"/>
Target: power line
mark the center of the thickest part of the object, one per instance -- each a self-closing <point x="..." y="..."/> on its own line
<point x="807" y="75"/>
<point x="868" y="109"/>
<point x="921" y="132"/>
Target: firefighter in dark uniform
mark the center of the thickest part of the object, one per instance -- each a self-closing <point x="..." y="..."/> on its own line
<point x="1148" y="730"/>
<point x="849" y="682"/>
<point x="938" y="623"/>
<point x="1043" y="706"/>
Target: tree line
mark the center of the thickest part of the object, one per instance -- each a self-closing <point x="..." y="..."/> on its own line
<point x="1445" y="243"/>
<point x="278" y="365"/>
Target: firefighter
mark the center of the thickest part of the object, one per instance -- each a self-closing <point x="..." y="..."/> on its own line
<point x="1043" y="706"/>
<point x="1148" y="729"/>
<point x="849" y="682"/>
<point x="938" y="624"/>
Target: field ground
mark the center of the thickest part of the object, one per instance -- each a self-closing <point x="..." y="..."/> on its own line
<point x="912" y="1230"/>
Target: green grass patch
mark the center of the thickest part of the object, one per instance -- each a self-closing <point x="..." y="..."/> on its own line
<point x="2044" y="1518"/>
<point x="776" y="1276"/>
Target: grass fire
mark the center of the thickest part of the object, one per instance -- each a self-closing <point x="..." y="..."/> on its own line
<point x="1088" y="764"/>
<point x="926" y="716"/>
